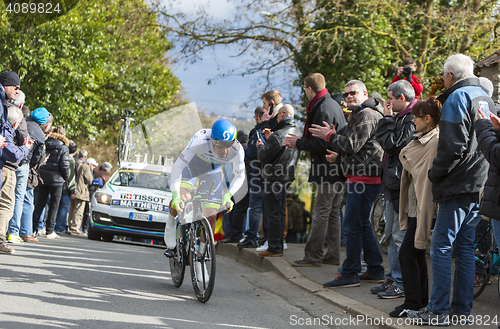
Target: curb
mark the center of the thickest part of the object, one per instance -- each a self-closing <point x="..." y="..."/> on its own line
<point x="282" y="267"/>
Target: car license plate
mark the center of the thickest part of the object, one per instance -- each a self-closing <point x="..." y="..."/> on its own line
<point x="143" y="217"/>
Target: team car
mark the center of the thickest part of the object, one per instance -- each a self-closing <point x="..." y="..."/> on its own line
<point x="134" y="202"/>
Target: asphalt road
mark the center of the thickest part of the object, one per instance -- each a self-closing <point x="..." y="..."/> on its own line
<point x="73" y="282"/>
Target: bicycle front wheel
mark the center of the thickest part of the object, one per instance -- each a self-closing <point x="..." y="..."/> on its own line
<point x="178" y="263"/>
<point x="202" y="257"/>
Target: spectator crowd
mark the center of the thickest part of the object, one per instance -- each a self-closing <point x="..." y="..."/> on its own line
<point x="45" y="184"/>
<point x="428" y="158"/>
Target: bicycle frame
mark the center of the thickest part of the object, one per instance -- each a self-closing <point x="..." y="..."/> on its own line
<point x="125" y="140"/>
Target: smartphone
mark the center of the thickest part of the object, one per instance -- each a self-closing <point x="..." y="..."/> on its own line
<point x="259" y="137"/>
<point x="271" y="108"/>
<point x="484" y="107"/>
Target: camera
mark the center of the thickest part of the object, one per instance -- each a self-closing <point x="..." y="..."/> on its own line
<point x="407" y="70"/>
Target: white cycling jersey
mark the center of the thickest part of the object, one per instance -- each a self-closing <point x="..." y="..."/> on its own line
<point x="198" y="159"/>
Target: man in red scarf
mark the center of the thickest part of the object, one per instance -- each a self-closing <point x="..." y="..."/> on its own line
<point x="327" y="176"/>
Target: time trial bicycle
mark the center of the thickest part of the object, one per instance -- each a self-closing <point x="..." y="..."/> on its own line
<point x="195" y="246"/>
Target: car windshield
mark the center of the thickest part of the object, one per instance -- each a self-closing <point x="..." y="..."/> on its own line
<point x="142" y="178"/>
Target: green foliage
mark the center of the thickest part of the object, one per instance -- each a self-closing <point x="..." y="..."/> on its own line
<point x="83" y="66"/>
<point x="342" y="39"/>
<point x="367" y="40"/>
<point x="357" y="55"/>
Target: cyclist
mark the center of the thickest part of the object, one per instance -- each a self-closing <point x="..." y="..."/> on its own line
<point x="215" y="157"/>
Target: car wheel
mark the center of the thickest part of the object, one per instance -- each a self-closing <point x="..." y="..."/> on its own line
<point x="93" y="235"/>
<point x="107" y="237"/>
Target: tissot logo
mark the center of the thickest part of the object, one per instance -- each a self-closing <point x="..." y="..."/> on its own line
<point x="128" y="196"/>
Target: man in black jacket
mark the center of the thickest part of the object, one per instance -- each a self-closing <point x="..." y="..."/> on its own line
<point x="278" y="163"/>
<point x="393" y="133"/>
<point x="327" y="176"/>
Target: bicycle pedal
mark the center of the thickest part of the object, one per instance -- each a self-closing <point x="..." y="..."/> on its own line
<point x="170" y="253"/>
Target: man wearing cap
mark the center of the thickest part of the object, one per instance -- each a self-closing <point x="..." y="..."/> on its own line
<point x="84" y="177"/>
<point x="9" y="86"/>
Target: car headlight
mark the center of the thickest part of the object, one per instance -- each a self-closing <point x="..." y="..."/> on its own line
<point x="103" y="198"/>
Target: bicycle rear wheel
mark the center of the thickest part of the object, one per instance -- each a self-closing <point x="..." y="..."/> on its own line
<point x="202" y="259"/>
<point x="178" y="263"/>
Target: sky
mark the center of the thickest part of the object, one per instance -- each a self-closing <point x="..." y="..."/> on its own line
<point x="224" y="96"/>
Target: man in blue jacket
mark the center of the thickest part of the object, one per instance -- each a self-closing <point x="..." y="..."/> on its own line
<point x="457" y="174"/>
<point x="11" y="153"/>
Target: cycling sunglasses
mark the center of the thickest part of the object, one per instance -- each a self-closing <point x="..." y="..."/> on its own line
<point x="223" y="145"/>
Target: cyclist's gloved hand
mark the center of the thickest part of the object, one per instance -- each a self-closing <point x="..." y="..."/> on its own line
<point x="177" y="202"/>
<point x="226" y="199"/>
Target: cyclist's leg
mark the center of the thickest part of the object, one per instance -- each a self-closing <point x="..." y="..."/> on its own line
<point x="169" y="235"/>
<point x="212" y="206"/>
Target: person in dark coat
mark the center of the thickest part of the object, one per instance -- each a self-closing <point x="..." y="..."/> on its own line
<point x="279" y="163"/>
<point x="53" y="174"/>
<point x="488" y="136"/>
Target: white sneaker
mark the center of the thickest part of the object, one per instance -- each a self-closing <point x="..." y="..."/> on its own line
<point x="39" y="232"/>
<point x="52" y="235"/>
<point x="199" y="273"/>
<point x="285" y="247"/>
<point x="262" y="248"/>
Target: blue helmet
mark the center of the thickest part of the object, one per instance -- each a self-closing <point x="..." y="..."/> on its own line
<point x="224" y="131"/>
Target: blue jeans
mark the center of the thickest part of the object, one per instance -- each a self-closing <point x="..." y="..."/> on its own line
<point x="394" y="237"/>
<point x="454" y="232"/>
<point x="27" y="215"/>
<point x="15" y="223"/>
<point x="496" y="229"/>
<point x="255" y="212"/>
<point x="359" y="233"/>
<point x="62" y="213"/>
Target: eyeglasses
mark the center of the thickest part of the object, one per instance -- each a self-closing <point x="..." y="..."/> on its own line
<point x="15" y="87"/>
<point x="222" y="145"/>
<point x="352" y="93"/>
